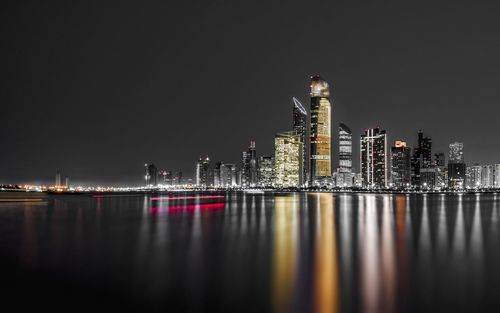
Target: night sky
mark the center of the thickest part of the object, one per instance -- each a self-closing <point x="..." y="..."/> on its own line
<point x="97" y="89"/>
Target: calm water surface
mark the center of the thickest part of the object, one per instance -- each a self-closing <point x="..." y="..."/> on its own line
<point x="295" y="252"/>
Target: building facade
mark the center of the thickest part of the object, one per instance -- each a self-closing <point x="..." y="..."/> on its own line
<point x="320" y="135"/>
<point x="373" y="158"/>
<point x="300" y="127"/>
<point x="204" y="176"/>
<point x="266" y="171"/>
<point x="456" y="166"/>
<point x="400" y="165"/>
<point x="288" y="159"/>
<point x="151" y="177"/>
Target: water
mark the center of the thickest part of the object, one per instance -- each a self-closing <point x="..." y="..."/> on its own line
<point x="295" y="252"/>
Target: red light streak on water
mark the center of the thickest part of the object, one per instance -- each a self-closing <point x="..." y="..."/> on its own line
<point x="191" y="207"/>
<point x="187" y="198"/>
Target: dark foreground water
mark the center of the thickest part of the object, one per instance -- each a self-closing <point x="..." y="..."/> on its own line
<point x="299" y="252"/>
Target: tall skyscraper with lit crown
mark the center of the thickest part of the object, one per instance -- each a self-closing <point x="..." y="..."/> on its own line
<point x="320" y="136"/>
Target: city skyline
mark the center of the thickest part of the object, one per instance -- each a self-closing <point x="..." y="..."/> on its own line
<point x="97" y="109"/>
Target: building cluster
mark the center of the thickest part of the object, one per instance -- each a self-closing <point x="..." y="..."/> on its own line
<point x="302" y="159"/>
<point x="155" y="177"/>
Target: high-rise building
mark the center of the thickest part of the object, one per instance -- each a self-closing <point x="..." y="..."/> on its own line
<point x="439" y="159"/>
<point x="58" y="179"/>
<point x="422" y="158"/>
<point x="249" y="166"/>
<point x="487" y="176"/>
<point x="204" y="177"/>
<point x="320" y="136"/>
<point x="300" y="127"/>
<point x="288" y="159"/>
<point x="344" y="177"/>
<point x="227" y="175"/>
<point x="217" y="174"/>
<point x="266" y="171"/>
<point x="151" y="177"/>
<point x="473" y="176"/>
<point x="456" y="166"/>
<point x="374" y="158"/>
<point x="497" y="175"/>
<point x="400" y="165"/>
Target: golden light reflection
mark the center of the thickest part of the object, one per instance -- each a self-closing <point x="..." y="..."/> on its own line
<point x="326" y="271"/>
<point x="284" y="252"/>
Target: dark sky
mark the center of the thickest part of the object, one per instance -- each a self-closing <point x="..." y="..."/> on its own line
<point x="96" y="89"/>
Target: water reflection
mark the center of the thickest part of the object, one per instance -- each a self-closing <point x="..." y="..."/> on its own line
<point x="295" y="252"/>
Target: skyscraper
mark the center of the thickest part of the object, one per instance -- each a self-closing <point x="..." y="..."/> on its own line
<point x="266" y="171"/>
<point x="320" y="136"/>
<point x="473" y="175"/>
<point x="400" y="165"/>
<point x="249" y="166"/>
<point x="227" y="175"/>
<point x="344" y="176"/>
<point x="487" y="176"/>
<point x="151" y="178"/>
<point x="422" y="158"/>
<point x="204" y="177"/>
<point x="288" y="159"/>
<point x="456" y="166"/>
<point x="300" y="127"/>
<point x="373" y="158"/>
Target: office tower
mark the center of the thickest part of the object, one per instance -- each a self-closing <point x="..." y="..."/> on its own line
<point x="151" y="177"/>
<point x="320" y="136"/>
<point x="439" y="159"/>
<point x="253" y="163"/>
<point x="288" y="159"/>
<point x="300" y="127"/>
<point x="66" y="182"/>
<point x="217" y="174"/>
<point x="456" y="166"/>
<point x="422" y="158"/>
<point x="245" y="170"/>
<point x="344" y="176"/>
<point x="266" y="171"/>
<point x="204" y="177"/>
<point x="58" y="179"/>
<point x="487" y="176"/>
<point x="473" y="176"/>
<point x="496" y="171"/>
<point x="373" y="158"/>
<point x="227" y="175"/>
<point x="456" y="152"/>
<point x="400" y="165"/>
<point x="249" y="166"/>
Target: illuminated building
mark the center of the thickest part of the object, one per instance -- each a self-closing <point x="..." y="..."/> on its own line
<point x="227" y="175"/>
<point x="266" y="171"/>
<point x="422" y="158"/>
<point x="456" y="166"/>
<point x="151" y="177"/>
<point x="217" y="174"/>
<point x="203" y="173"/>
<point x="487" y="176"/>
<point x="473" y="176"/>
<point x="249" y="166"/>
<point x="300" y="127"/>
<point x="167" y="177"/>
<point x="344" y="176"/>
<point x="400" y="165"/>
<point x="288" y="159"/>
<point x="373" y="158"/>
<point x="439" y="159"/>
<point x="496" y="169"/>
<point x="58" y="179"/>
<point x="320" y="136"/>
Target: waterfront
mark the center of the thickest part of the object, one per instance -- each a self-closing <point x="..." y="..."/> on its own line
<point x="238" y="252"/>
